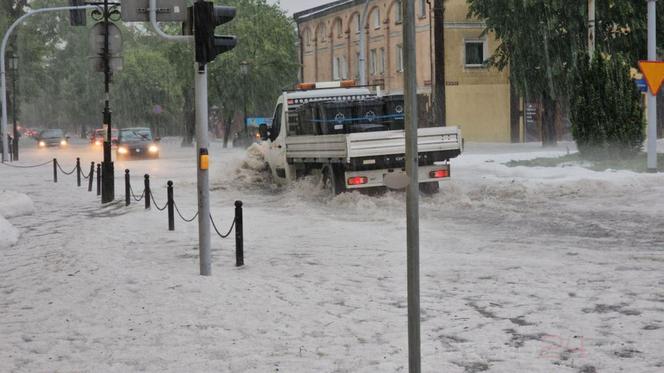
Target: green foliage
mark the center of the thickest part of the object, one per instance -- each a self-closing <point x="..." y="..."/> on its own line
<point x="605" y="109"/>
<point x="59" y="88"/>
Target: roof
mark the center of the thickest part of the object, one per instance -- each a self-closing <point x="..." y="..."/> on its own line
<point x="334" y="92"/>
<point x="325" y="9"/>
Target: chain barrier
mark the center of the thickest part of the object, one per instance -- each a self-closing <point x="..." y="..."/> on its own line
<point x="63" y="171"/>
<point x="156" y="205"/>
<point x="137" y="199"/>
<point x="32" y="166"/>
<point x="182" y="217"/>
<point x="217" y="230"/>
<point x="83" y="174"/>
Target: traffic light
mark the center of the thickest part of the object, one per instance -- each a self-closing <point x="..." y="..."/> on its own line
<point x="206" y="18"/>
<point x="77" y="17"/>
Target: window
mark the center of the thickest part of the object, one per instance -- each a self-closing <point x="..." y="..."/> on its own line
<point x="338" y="29"/>
<point x="474" y="53"/>
<point x="422" y="9"/>
<point x="376" y="18"/>
<point x="343" y="68"/>
<point x="321" y="34"/>
<point x="276" y="123"/>
<point x="335" y="68"/>
<point x="381" y="67"/>
<point x="372" y="62"/>
<point x="399" y="58"/>
<point x="358" y="23"/>
<point x="358" y="65"/>
<point x="398" y="14"/>
<point x="307" y="37"/>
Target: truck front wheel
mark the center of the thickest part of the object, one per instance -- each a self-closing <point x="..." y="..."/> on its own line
<point x="333" y="179"/>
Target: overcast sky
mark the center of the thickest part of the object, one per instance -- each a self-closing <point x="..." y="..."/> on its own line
<point x="293" y="6"/>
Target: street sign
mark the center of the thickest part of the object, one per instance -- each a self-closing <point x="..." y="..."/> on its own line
<point x="653" y="71"/>
<point x="157" y="109"/>
<point x="167" y="10"/>
<point x="642" y="85"/>
<point x="96" y="45"/>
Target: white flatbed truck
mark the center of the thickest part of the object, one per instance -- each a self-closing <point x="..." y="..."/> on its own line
<point x="350" y="159"/>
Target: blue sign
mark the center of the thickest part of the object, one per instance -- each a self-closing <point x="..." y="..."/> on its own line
<point x="257" y="121"/>
<point x="642" y="85"/>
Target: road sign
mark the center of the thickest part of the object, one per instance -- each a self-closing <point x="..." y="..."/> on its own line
<point x="642" y="85"/>
<point x="653" y="71"/>
<point x="167" y="11"/>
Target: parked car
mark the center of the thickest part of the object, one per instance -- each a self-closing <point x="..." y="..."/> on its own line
<point x="98" y="136"/>
<point x="137" y="142"/>
<point x="52" y="138"/>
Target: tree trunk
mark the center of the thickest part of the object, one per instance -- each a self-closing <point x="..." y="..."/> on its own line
<point x="439" y="110"/>
<point x="549" y="137"/>
<point x="228" y="124"/>
<point x="189" y="119"/>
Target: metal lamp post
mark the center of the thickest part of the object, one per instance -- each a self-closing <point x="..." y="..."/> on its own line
<point x="244" y="70"/>
<point x="13" y="66"/>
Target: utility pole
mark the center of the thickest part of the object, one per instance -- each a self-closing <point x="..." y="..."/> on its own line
<point x="13" y="61"/>
<point x="652" y="98"/>
<point x="591" y="28"/>
<point x="108" y="172"/>
<point x="362" y="63"/>
<point x="413" y="190"/>
<point x="439" y="110"/>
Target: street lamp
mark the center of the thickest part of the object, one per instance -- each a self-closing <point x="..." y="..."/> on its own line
<point x="13" y="66"/>
<point x="244" y="71"/>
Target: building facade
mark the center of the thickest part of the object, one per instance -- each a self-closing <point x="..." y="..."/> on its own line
<point x="477" y="97"/>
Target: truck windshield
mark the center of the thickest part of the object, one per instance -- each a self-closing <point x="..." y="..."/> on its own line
<point x="52" y="134"/>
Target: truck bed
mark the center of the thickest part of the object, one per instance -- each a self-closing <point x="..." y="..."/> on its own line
<point x="344" y="147"/>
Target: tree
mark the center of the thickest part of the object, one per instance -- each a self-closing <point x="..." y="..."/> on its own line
<point x="606" y="111"/>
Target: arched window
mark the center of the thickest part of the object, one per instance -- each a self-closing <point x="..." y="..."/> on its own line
<point x="338" y="28"/>
<point x="358" y="23"/>
<point x="422" y="9"/>
<point x="398" y="14"/>
<point x="375" y="18"/>
<point x="322" y="31"/>
<point x="307" y="37"/>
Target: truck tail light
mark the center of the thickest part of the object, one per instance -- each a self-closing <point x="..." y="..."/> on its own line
<point x="439" y="174"/>
<point x="357" y="180"/>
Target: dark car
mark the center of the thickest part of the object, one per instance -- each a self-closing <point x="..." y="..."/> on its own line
<point x="52" y="137"/>
<point x="137" y="143"/>
<point x="98" y="137"/>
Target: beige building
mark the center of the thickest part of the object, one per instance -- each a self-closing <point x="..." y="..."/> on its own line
<point x="477" y="98"/>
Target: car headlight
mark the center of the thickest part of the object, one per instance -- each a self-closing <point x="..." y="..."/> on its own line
<point x="97" y="142"/>
<point x="153" y="149"/>
<point x="63" y="142"/>
<point x="122" y="150"/>
<point x="42" y="143"/>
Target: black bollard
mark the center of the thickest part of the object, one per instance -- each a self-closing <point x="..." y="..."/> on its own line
<point x="99" y="179"/>
<point x="239" y="239"/>
<point x="171" y="211"/>
<point x="78" y="171"/>
<point x="148" y="193"/>
<point x="127" y="188"/>
<point x="55" y="170"/>
<point x="91" y="177"/>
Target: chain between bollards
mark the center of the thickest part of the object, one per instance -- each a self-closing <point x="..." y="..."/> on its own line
<point x="239" y="239"/>
<point x="171" y="209"/>
<point x="91" y="176"/>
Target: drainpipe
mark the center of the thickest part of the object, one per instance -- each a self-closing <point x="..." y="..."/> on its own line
<point x="363" y="45"/>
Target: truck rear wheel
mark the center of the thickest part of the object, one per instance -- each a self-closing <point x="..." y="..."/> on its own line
<point x="429" y="188"/>
<point x="333" y="179"/>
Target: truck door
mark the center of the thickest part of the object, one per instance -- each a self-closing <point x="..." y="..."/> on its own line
<point x="277" y="153"/>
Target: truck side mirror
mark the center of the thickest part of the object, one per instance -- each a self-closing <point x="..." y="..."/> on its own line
<point x="262" y="129"/>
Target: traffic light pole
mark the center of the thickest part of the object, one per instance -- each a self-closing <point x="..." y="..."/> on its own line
<point x="3" y="73"/>
<point x="651" y="161"/>
<point x="412" y="193"/>
<point x="202" y="143"/>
